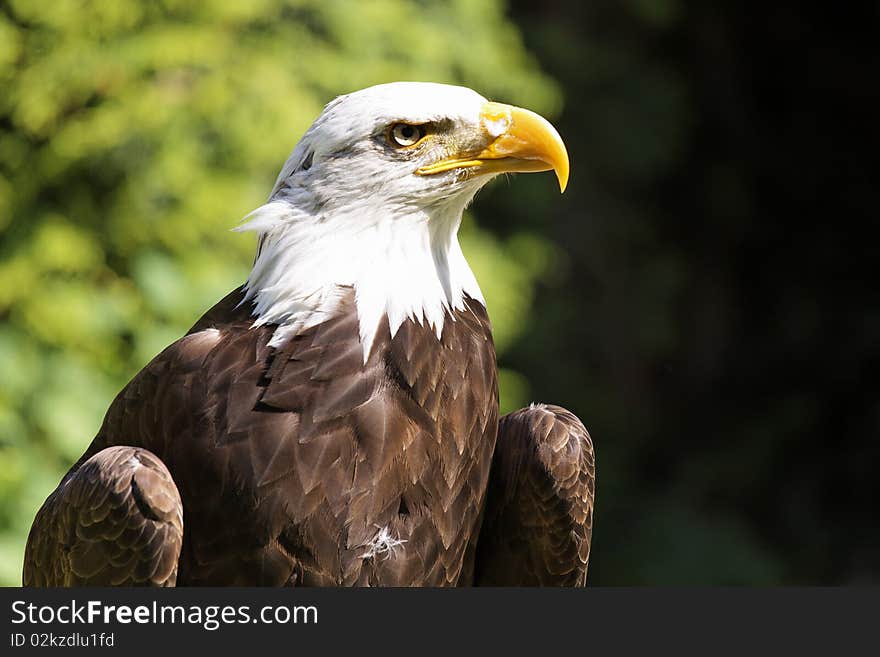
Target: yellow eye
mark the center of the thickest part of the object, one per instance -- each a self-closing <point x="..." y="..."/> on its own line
<point x="402" y="135"/>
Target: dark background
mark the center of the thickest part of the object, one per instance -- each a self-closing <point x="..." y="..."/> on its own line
<point x="717" y="326"/>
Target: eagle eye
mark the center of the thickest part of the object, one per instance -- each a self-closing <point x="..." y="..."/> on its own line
<point x="401" y="135"/>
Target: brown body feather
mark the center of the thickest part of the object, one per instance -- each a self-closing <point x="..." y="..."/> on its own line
<point x="303" y="465"/>
<point x="292" y="462"/>
<point x="116" y="520"/>
<point x="539" y="509"/>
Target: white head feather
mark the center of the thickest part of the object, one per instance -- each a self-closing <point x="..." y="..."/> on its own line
<point x="349" y="212"/>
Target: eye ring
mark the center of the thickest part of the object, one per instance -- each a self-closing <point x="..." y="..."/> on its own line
<point x="405" y="135"/>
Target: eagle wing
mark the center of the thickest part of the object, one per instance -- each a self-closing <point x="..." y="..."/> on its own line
<point x="539" y="506"/>
<point x="116" y="520"/>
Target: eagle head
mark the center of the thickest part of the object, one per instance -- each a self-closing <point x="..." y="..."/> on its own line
<point x="371" y="199"/>
<point x="418" y="144"/>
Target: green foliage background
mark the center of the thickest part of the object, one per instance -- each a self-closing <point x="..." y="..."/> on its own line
<point x="134" y="135"/>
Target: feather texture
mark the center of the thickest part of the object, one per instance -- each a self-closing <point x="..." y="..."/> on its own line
<point x="115" y="520"/>
<point x="298" y="464"/>
<point x="539" y="508"/>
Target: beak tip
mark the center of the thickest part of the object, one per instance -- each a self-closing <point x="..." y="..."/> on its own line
<point x="562" y="177"/>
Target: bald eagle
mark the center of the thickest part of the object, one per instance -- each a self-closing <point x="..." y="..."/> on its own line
<point x="334" y="421"/>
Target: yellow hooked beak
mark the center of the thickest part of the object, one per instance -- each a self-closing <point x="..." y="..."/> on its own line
<point x="517" y="141"/>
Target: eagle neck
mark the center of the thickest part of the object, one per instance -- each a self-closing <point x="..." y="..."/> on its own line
<point x="403" y="264"/>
